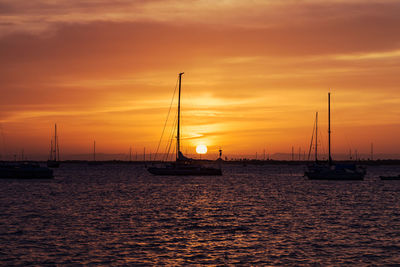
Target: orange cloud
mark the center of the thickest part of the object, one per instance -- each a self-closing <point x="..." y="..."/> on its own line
<point x="255" y="73"/>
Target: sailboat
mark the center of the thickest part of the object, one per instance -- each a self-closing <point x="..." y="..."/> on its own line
<point x="331" y="171"/>
<point x="183" y="165"/>
<point x="54" y="159"/>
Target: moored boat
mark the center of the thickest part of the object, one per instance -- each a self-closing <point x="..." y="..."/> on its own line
<point x="331" y="171"/>
<point x="183" y="165"/>
<point x="24" y="171"/>
<point x="340" y="172"/>
<point x="390" y="177"/>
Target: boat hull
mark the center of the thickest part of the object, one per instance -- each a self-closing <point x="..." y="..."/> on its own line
<point x="335" y="176"/>
<point x="390" y="177"/>
<point x="95" y="163"/>
<point x="338" y="172"/>
<point x="185" y="171"/>
<point x="25" y="172"/>
<point x="53" y="164"/>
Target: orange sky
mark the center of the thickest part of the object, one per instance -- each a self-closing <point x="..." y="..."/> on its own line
<point x="255" y="73"/>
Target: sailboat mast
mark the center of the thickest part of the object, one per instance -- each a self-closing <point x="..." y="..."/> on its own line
<point x="58" y="150"/>
<point x="55" y="142"/>
<point x="316" y="136"/>
<point x="51" y="149"/>
<point x="94" y="150"/>
<point x="178" y="149"/>
<point x="329" y="128"/>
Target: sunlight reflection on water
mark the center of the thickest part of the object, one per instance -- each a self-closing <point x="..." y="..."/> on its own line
<point x="254" y="215"/>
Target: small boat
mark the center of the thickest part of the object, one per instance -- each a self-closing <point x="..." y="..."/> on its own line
<point x="54" y="159"/>
<point x="183" y="165"/>
<point x="24" y="171"/>
<point x="390" y="177"/>
<point x="339" y="172"/>
<point x="331" y="171"/>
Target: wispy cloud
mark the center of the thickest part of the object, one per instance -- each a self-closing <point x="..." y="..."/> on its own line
<point x="254" y="70"/>
<point x="41" y="15"/>
<point x="372" y="55"/>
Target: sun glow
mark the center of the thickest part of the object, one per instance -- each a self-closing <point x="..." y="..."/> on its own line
<point x="201" y="149"/>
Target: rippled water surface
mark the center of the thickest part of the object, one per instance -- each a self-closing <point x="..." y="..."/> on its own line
<point x="253" y="215"/>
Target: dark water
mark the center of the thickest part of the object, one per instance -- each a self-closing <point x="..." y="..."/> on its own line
<point x="254" y="215"/>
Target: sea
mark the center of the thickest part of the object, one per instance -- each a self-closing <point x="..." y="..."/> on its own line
<point x="254" y="215"/>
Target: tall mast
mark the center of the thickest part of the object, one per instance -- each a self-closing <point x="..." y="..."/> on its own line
<point x="55" y="142"/>
<point x="58" y="150"/>
<point x="178" y="149"/>
<point x="51" y="149"/>
<point x="329" y="128"/>
<point x="292" y="153"/>
<point x="94" y="150"/>
<point x="316" y="136"/>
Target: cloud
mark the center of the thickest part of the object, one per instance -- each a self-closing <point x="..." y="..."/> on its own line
<point x="41" y="15"/>
<point x="251" y="68"/>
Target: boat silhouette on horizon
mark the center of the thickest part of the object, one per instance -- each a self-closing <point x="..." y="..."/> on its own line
<point x="24" y="170"/>
<point x="382" y="177"/>
<point x="331" y="171"/>
<point x="183" y="165"/>
<point x="54" y="157"/>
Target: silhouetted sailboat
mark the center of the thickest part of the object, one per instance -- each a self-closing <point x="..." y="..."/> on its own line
<point x="25" y="170"/>
<point x="54" y="159"/>
<point x="383" y="177"/>
<point x="331" y="171"/>
<point x="182" y="164"/>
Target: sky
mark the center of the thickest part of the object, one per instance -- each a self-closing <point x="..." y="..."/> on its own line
<point x="255" y="74"/>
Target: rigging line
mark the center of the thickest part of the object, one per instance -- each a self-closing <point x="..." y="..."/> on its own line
<point x="312" y="139"/>
<point x="51" y="149"/>
<point x="168" y="150"/>
<point x="322" y="143"/>
<point x="171" y="137"/>
<point x="349" y="143"/>
<point x="51" y="145"/>
<point x="167" y="147"/>
<point x="165" y="124"/>
<point x="173" y="151"/>
<point x="58" y="148"/>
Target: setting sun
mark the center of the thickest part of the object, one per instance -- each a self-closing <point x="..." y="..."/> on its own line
<point x="246" y="87"/>
<point x="201" y="149"/>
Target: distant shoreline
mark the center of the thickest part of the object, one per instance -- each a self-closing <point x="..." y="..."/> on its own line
<point x="242" y="162"/>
